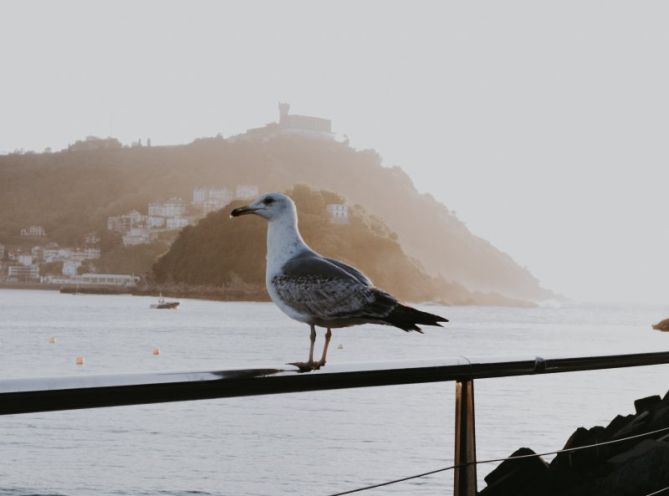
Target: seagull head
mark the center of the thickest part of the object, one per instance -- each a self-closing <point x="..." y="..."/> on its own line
<point x="269" y="206"/>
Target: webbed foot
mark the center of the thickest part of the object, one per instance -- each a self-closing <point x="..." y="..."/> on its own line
<point x="306" y="366"/>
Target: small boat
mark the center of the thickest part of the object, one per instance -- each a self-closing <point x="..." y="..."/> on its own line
<point x="163" y="304"/>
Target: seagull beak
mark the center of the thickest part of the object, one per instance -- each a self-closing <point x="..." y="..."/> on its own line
<point x="243" y="211"/>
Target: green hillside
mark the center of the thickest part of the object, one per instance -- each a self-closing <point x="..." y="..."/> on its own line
<point x="225" y="252"/>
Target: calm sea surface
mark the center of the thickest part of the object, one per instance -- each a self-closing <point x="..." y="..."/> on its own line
<point x="310" y="443"/>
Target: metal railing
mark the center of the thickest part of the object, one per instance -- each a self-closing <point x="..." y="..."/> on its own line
<point x="50" y="394"/>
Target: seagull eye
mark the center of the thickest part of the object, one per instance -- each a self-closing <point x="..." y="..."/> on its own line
<point x="268" y="201"/>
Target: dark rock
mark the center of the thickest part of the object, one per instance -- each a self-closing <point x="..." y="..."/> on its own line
<point x="514" y="476"/>
<point x="662" y="326"/>
<point x="637" y="475"/>
<point x="639" y="450"/>
<point x="583" y="460"/>
<point x="659" y="419"/>
<point x="618" y="423"/>
<point x="647" y="404"/>
<point x="633" y="467"/>
<point x="636" y="426"/>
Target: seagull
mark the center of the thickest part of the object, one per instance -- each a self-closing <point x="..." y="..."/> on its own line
<point x="321" y="291"/>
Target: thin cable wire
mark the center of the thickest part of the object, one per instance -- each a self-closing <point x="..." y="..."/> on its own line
<point x="494" y="460"/>
<point x="661" y="491"/>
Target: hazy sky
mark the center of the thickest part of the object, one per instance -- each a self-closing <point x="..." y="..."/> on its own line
<point x="544" y="125"/>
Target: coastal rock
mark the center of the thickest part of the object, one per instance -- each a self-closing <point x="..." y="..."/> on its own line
<point x="515" y="476"/>
<point x="631" y="467"/>
<point x="662" y="325"/>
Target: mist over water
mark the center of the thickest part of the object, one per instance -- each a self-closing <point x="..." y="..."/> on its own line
<point x="311" y="443"/>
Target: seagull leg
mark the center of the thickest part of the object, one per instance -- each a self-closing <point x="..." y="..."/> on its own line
<point x="312" y="338"/>
<point x="328" y="337"/>
<point x="310" y="364"/>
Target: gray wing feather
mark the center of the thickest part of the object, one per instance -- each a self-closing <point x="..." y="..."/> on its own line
<point x="351" y="270"/>
<point x="330" y="290"/>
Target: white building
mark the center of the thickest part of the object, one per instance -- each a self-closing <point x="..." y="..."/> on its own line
<point x="156" y="222"/>
<point x="50" y="253"/>
<point x="37" y="252"/>
<point x="174" y="207"/>
<point x="200" y="195"/>
<point x="123" y="223"/>
<point x="122" y="280"/>
<point x="137" y="236"/>
<point x="245" y="191"/>
<point x="212" y="199"/>
<point x="338" y="213"/>
<point x="70" y="267"/>
<point x="91" y="238"/>
<point x="25" y="260"/>
<point x="173" y="223"/>
<point x="91" y="253"/>
<point x="16" y="273"/>
<point x="33" y="232"/>
<point x="211" y="206"/>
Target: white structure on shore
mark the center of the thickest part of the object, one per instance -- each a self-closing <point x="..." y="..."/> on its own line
<point x="22" y="273"/>
<point x="89" y="279"/>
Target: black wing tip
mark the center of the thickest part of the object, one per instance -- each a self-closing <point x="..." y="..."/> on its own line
<point x="407" y="318"/>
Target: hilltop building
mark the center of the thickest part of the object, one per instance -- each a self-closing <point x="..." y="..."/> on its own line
<point x="290" y="124"/>
<point x="305" y="125"/>
<point x="95" y="143"/>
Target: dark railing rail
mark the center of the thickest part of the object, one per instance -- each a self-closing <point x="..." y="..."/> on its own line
<point x="49" y="394"/>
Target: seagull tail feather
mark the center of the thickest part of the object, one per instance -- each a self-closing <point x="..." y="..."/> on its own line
<point x="407" y="318"/>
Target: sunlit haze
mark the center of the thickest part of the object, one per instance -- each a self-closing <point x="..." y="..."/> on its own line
<point x="544" y="126"/>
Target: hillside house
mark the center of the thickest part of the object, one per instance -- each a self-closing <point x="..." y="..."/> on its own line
<point x="337" y="213"/>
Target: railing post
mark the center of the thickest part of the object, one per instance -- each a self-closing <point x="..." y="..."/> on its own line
<point x="465" y="439"/>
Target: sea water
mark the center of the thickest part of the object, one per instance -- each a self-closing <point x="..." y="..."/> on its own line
<point x="308" y="443"/>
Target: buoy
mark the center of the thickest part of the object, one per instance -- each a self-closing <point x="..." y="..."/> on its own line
<point x="79" y="361"/>
<point x="52" y="340"/>
<point x="156" y="351"/>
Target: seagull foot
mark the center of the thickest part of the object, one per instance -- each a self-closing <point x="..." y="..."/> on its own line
<point x="306" y="366"/>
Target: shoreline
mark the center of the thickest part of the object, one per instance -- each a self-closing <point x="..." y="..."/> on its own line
<point x="228" y="294"/>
